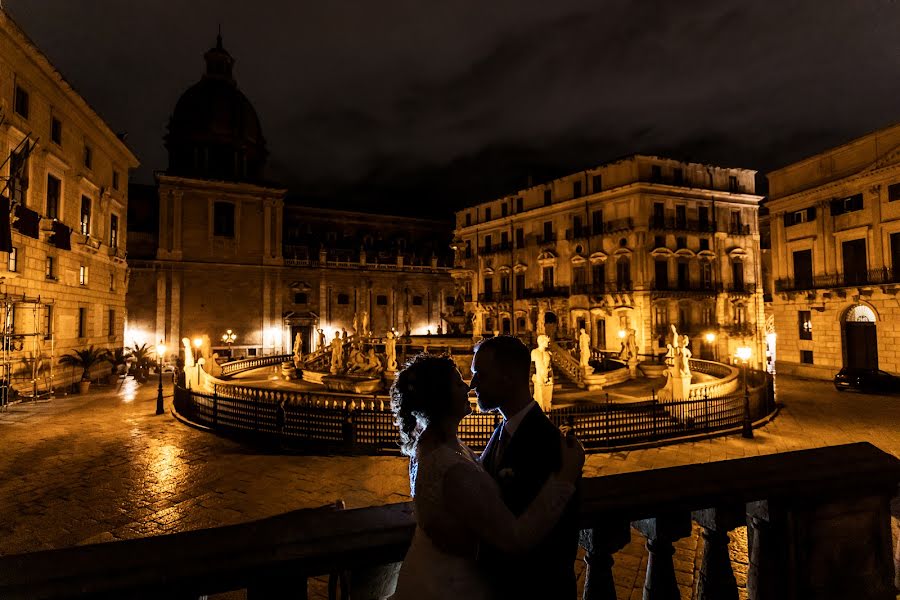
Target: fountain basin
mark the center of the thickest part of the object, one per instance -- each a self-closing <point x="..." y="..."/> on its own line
<point x="355" y="384"/>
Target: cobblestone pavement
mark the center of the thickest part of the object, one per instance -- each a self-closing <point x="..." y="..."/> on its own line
<point x="101" y="467"/>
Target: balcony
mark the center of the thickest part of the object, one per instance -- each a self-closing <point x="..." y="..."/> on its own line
<point x="588" y="289"/>
<point x="674" y="224"/>
<point x="882" y="276"/>
<point x="495" y="296"/>
<point x="546" y="291"/>
<point x="546" y="239"/>
<point x="741" y="329"/>
<point x="494" y="249"/>
<point x="686" y="287"/>
<point x="739" y="229"/>
<point x="621" y="286"/>
<point x="578" y="233"/>
<point x="740" y="288"/>
<point x="805" y="511"/>
<point x="618" y="225"/>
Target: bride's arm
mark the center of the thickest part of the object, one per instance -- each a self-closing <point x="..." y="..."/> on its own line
<point x="474" y="498"/>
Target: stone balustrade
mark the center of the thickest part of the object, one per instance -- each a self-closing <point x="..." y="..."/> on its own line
<point x="818" y="527"/>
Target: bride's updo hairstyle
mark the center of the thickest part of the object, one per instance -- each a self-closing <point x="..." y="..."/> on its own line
<point x="420" y="394"/>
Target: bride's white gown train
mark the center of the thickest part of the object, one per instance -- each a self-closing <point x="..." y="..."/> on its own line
<point x="458" y="504"/>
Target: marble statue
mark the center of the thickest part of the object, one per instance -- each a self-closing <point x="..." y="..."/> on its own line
<point x="356" y="324"/>
<point x="584" y="348"/>
<point x="540" y="321"/>
<point x="337" y="353"/>
<point x="298" y="350"/>
<point x="364" y="323"/>
<point x="188" y="355"/>
<point x="322" y="341"/>
<point x="679" y="371"/>
<point x="343" y="333"/>
<point x="440" y="329"/>
<point x="356" y="361"/>
<point x="543" y="376"/>
<point x="629" y="346"/>
<point x="373" y="365"/>
<point x="390" y="350"/>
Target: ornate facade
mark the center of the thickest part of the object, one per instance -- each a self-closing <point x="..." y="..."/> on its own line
<point x="64" y="177"/>
<point x="214" y="247"/>
<point x="640" y="243"/>
<point x="835" y="234"/>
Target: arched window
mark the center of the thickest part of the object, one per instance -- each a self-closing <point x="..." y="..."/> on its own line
<point x="623" y="273"/>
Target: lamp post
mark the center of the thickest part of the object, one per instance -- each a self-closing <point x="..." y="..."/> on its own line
<point x="228" y="337"/>
<point x="744" y="353"/>
<point x="710" y="338"/>
<point x="197" y="356"/>
<point x="160" y="352"/>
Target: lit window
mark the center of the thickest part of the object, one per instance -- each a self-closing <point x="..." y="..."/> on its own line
<point x="83" y="275"/>
<point x="85" y="215"/>
<point x="13" y="262"/>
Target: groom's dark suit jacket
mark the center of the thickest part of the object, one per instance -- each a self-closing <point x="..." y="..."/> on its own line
<point x="547" y="570"/>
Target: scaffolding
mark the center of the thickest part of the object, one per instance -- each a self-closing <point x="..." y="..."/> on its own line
<point x="27" y="349"/>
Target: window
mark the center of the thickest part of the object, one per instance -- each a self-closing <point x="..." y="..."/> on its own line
<point x="113" y="231"/>
<point x="799" y="216"/>
<point x="623" y="273"/>
<point x="579" y="275"/>
<point x="10" y="323"/>
<point x="85" y="215"/>
<point x="806" y="357"/>
<point x="576" y="225"/>
<point x="488" y="287"/>
<point x="803" y="269"/>
<point x="547" y="277"/>
<point x="12" y="264"/>
<point x="736" y="223"/>
<point x="468" y="219"/>
<point x="487" y="213"/>
<point x="597" y="222"/>
<point x="597" y="183"/>
<point x="548" y="197"/>
<point x="82" y="321"/>
<point x="115" y="180"/>
<point x="53" y="187"/>
<point x="504" y="284"/>
<point x="520" y="238"/>
<point x="854" y="255"/>
<point x="598" y="276"/>
<point x="520" y="285"/>
<point x="417" y="300"/>
<point x="18" y="175"/>
<point x="112" y="282"/>
<point x="504" y="209"/>
<point x="852" y="203"/>
<point x="48" y="321"/>
<point x="50" y="268"/>
<point x="83" y="275"/>
<point x="732" y="183"/>
<point x="680" y="242"/>
<point x="21" y="102"/>
<point x="88" y="157"/>
<point x="548" y="231"/>
<point x="706" y="274"/>
<point x="111" y="323"/>
<point x="301" y="298"/>
<point x="740" y="314"/>
<point x="576" y="189"/>
<point x="804" y="324"/>
<point x="703" y="218"/>
<point x="56" y="131"/>
<point x="488" y="242"/>
<point x="678" y="176"/>
<point x="381" y="300"/>
<point x="683" y="275"/>
<point x="895" y="255"/>
<point x="737" y="275"/>
<point x="520" y="205"/>
<point x="893" y="192"/>
<point x="655" y="173"/>
<point x="706" y="314"/>
<point x="704" y="244"/>
<point x="468" y="248"/>
<point x="504" y="240"/>
<point x="680" y="216"/>
<point x="223" y="219"/>
<point x="659" y="241"/>
<point x="661" y="271"/>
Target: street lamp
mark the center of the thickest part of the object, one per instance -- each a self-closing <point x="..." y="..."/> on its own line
<point x="160" y="353"/>
<point x="228" y="337"/>
<point x="744" y="353"/>
<point x="710" y="338"/>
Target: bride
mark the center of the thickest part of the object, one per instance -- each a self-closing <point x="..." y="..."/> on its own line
<point x="457" y="503"/>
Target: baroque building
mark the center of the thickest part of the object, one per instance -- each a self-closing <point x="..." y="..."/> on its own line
<point x="640" y="243"/>
<point x="216" y="247"/>
<point x="64" y="181"/>
<point x="835" y="237"/>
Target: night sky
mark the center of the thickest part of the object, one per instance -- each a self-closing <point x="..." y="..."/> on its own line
<point x="417" y="107"/>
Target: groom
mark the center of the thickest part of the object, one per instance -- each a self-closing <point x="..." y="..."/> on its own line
<point x="522" y="453"/>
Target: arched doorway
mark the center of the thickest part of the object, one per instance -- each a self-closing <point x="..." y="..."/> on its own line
<point x="550" y="324"/>
<point x="506" y="326"/>
<point x="860" y="338"/>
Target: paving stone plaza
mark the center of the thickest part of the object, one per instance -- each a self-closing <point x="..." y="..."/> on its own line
<point x="102" y="467"/>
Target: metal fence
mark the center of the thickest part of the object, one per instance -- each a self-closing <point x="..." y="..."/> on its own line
<point x="329" y="421"/>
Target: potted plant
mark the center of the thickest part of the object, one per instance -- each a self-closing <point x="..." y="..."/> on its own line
<point x="85" y="358"/>
<point x="141" y="361"/>
<point x="119" y="360"/>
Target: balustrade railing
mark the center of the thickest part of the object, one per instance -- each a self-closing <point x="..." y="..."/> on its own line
<point x="675" y="224"/>
<point x="564" y="361"/>
<point x="230" y="368"/>
<point x="818" y="526"/>
<point x="546" y="291"/>
<point x="855" y="279"/>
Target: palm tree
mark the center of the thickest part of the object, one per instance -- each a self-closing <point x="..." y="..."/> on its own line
<point x="141" y="356"/>
<point x="86" y="358"/>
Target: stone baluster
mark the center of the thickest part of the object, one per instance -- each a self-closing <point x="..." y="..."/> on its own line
<point x="660" y="583"/>
<point x="716" y="580"/>
<point x="600" y="543"/>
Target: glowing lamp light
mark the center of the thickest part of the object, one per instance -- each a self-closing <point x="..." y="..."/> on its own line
<point x="160" y="350"/>
<point x="228" y="337"/>
<point x="622" y="334"/>
<point x="710" y="337"/>
<point x="197" y="343"/>
<point x="744" y="353"/>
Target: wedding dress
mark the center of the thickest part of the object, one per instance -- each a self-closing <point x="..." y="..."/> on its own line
<point x="457" y="505"/>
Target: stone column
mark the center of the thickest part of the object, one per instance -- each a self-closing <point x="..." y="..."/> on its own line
<point x="660" y="583"/>
<point x="161" y="289"/>
<point x="600" y="544"/>
<point x="716" y="580"/>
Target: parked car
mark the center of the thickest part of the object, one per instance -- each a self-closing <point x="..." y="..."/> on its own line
<point x="866" y="380"/>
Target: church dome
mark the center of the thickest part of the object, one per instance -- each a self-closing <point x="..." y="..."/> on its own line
<point x="214" y="132"/>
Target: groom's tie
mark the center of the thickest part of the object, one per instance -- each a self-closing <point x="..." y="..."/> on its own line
<point x="500" y="446"/>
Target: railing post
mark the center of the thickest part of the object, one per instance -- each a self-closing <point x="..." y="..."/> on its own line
<point x="716" y="579"/>
<point x="215" y="405"/>
<point x="607" y="419"/>
<point x="660" y="582"/>
<point x="600" y="544"/>
<point x="256" y="410"/>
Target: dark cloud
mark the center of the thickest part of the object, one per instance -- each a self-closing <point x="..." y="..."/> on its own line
<point x="413" y="105"/>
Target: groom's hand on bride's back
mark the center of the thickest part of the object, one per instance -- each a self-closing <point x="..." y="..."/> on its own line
<point x="571" y="454"/>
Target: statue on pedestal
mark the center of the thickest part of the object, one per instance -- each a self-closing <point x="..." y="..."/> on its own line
<point x="337" y="354"/>
<point x="356" y="361"/>
<point x="584" y="348"/>
<point x="679" y="373"/>
<point x="543" y="376"/>
<point x="322" y="341"/>
<point x="188" y="355"/>
<point x="298" y="349"/>
<point x="364" y="323"/>
<point x="390" y="350"/>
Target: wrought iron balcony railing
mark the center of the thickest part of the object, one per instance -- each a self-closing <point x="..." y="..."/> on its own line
<point x="838" y="280"/>
<point x="676" y="224"/>
<point x="740" y="288"/>
<point x="592" y="289"/>
<point x="495" y="248"/>
<point x="495" y="297"/>
<point x="739" y="228"/>
<point x="577" y="233"/>
<point x="547" y="291"/>
<point x="688" y="287"/>
<point x="546" y="239"/>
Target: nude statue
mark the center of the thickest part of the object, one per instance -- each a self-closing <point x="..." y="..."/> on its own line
<point x="390" y="349"/>
<point x="543" y="376"/>
<point x="337" y="353"/>
<point x="584" y="348"/>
